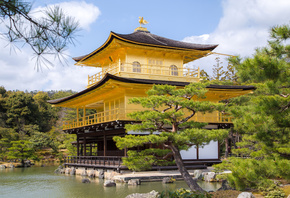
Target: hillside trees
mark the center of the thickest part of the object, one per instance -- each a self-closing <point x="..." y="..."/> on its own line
<point x="168" y="112"/>
<point x="28" y="117"/>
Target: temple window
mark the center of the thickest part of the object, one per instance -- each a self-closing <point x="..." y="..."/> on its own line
<point x="173" y="70"/>
<point x="136" y="67"/>
<point x="155" y="62"/>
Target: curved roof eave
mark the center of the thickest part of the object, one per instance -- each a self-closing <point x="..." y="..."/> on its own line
<point x="108" y="76"/>
<point x="148" y="39"/>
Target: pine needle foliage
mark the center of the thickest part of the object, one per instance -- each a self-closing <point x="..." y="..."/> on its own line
<point x="167" y="116"/>
<point x="262" y="118"/>
<point x="46" y="35"/>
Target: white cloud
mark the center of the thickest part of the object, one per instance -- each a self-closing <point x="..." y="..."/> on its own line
<point x="18" y="72"/>
<point x="18" y="69"/>
<point x="84" y="13"/>
<point x="244" y="26"/>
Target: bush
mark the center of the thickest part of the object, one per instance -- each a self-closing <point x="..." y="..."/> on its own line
<point x="183" y="193"/>
<point x="252" y="173"/>
<point x="273" y="192"/>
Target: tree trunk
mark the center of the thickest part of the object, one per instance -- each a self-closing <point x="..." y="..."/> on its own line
<point x="184" y="173"/>
<point x="227" y="147"/>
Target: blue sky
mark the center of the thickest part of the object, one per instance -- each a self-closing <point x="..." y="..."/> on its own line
<point x="238" y="26"/>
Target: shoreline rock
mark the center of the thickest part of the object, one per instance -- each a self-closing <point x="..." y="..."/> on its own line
<point x="152" y="194"/>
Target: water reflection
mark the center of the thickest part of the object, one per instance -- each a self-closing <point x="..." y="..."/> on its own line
<point x="42" y="182"/>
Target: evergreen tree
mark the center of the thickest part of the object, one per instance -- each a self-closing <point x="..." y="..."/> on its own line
<point x="230" y="74"/>
<point x="204" y="75"/>
<point x="21" y="150"/>
<point x="169" y="111"/>
<point x="50" y="34"/>
<point x="218" y="72"/>
<point x="265" y="115"/>
<point x="263" y="118"/>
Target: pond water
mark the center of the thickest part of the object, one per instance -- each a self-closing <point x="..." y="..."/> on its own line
<point x="43" y="182"/>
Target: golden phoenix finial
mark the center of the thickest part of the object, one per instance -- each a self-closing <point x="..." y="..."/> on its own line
<point x="142" y="21"/>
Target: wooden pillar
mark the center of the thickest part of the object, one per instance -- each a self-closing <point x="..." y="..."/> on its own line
<point x="81" y="152"/>
<point x="197" y="152"/>
<point x="85" y="147"/>
<point x="78" y="117"/>
<point x="91" y="150"/>
<point x="78" y="145"/>
<point x="125" y="151"/>
<point x="84" y="117"/>
<point x="105" y="145"/>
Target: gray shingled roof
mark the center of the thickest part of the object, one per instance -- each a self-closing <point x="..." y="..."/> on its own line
<point x="146" y="38"/>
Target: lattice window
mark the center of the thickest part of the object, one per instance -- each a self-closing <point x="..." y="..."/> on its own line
<point x="173" y="70"/>
<point x="136" y="67"/>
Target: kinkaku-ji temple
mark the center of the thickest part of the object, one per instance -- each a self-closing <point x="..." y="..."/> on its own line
<point x="130" y="65"/>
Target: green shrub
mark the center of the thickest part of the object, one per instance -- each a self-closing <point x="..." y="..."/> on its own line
<point x="273" y="192"/>
<point x="252" y="173"/>
<point x="183" y="193"/>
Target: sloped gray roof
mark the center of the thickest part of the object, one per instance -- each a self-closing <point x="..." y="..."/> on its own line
<point x="148" y="39"/>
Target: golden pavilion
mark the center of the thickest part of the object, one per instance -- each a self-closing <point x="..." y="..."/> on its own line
<point x="129" y="65"/>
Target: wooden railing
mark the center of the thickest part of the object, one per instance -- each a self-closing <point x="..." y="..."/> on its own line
<point x="95" y="160"/>
<point x="101" y="117"/>
<point x="120" y="114"/>
<point x="176" y="74"/>
<point x="209" y="118"/>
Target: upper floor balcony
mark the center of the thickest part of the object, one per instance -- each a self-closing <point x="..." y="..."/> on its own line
<point x="121" y="114"/>
<point x="147" y="71"/>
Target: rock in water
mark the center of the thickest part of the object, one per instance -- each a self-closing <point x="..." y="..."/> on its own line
<point x="84" y="173"/>
<point x="167" y="180"/>
<point x="101" y="174"/>
<point x="197" y="174"/>
<point x="91" y="173"/>
<point x="209" y="176"/>
<point x="73" y="171"/>
<point x="109" y="183"/>
<point x="246" y="195"/>
<point x="67" y="171"/>
<point x="152" y="194"/>
<point x="86" y="180"/>
<point x="225" y="186"/>
<point x="134" y="182"/>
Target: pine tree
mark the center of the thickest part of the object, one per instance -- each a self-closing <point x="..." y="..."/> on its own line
<point x="50" y="34"/>
<point x="218" y="72"/>
<point x="169" y="111"/>
<point x="262" y="118"/>
<point x="266" y="114"/>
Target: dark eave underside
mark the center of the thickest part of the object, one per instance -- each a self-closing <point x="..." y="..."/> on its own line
<point x="148" y="39"/>
<point x="142" y="81"/>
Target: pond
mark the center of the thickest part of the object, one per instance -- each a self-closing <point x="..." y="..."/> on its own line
<point x="43" y="182"/>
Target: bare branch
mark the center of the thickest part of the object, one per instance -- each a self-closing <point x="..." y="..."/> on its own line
<point x="284" y="96"/>
<point x="285" y="107"/>
<point x="188" y="117"/>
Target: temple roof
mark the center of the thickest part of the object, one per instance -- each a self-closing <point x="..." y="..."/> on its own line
<point x="145" y="38"/>
<point x="108" y="76"/>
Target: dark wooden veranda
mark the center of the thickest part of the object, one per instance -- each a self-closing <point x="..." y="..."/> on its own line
<point x="115" y="163"/>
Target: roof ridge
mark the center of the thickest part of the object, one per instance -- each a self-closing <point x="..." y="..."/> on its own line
<point x="157" y="39"/>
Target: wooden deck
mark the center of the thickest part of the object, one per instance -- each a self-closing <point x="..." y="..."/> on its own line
<point x="115" y="163"/>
